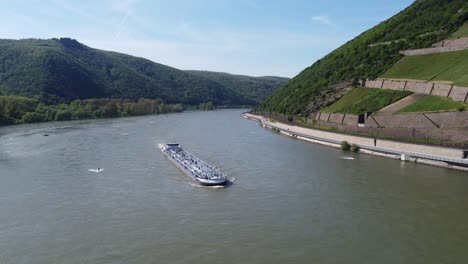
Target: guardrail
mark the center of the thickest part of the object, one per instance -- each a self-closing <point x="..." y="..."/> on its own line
<point x="372" y="148"/>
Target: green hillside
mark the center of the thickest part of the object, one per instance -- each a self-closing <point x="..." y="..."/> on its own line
<point x="433" y="103"/>
<point x="447" y="66"/>
<point x="255" y="88"/>
<point x="363" y="100"/>
<point x="62" y="70"/>
<point x="418" y="26"/>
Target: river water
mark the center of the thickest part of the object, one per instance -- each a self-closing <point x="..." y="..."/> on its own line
<point x="291" y="201"/>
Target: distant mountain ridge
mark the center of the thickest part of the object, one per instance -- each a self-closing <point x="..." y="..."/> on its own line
<point x="65" y="69"/>
<point x="255" y="88"/>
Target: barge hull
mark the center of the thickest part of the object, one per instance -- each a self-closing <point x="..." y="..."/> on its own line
<point x="203" y="182"/>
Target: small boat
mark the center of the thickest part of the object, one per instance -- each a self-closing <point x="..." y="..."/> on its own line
<point x="199" y="171"/>
<point x="96" y="170"/>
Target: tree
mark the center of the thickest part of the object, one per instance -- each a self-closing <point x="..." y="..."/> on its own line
<point x="63" y="115"/>
<point x="162" y="108"/>
<point x="33" y="117"/>
<point x="111" y="110"/>
<point x="177" y="108"/>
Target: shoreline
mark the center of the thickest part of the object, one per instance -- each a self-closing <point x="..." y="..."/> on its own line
<point x="120" y="117"/>
<point x="423" y="154"/>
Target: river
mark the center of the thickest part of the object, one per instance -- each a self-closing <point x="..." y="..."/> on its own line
<point x="290" y="202"/>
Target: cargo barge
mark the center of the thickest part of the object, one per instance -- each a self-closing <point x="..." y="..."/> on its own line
<point x="199" y="171"/>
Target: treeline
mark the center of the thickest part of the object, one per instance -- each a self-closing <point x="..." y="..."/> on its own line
<point x="206" y="106"/>
<point x="209" y="106"/>
<point x="16" y="109"/>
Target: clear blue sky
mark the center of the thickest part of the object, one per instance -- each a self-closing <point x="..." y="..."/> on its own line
<point x="253" y="37"/>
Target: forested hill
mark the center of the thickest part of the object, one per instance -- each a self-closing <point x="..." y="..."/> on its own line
<point x="255" y="88"/>
<point x="371" y="53"/>
<point x="62" y="70"/>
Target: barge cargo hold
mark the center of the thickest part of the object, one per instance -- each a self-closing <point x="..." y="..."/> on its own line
<point x="199" y="171"/>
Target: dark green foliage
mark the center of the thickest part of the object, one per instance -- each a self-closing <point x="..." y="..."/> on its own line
<point x="177" y="108"/>
<point x="418" y="26"/>
<point x="206" y="106"/>
<point x="15" y="109"/>
<point x="354" y="148"/>
<point x="63" y="115"/>
<point x="62" y="70"/>
<point x="345" y="146"/>
<point x="33" y="117"/>
<point x="255" y="88"/>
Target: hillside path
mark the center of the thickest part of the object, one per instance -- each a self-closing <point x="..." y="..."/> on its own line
<point x="398" y="105"/>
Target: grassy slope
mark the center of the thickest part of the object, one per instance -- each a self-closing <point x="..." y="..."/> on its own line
<point x="423" y="23"/>
<point x="462" y="32"/>
<point x="434" y="104"/>
<point x="255" y="88"/>
<point x="362" y="100"/>
<point x="64" y="69"/>
<point x="447" y="66"/>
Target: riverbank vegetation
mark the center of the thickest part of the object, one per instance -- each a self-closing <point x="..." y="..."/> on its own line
<point x="17" y="110"/>
<point x="363" y="100"/>
<point x="206" y="106"/>
<point x="344" y="145"/>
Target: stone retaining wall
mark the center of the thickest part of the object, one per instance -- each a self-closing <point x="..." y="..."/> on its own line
<point x="443" y="134"/>
<point x="455" y="42"/>
<point x="336" y="118"/>
<point x="441" y="89"/>
<point x="419" y="87"/>
<point x="346" y="119"/>
<point x="416" y="120"/>
<point x="451" y="42"/>
<point x="406" y="121"/>
<point x="444" y="46"/>
<point x="432" y="50"/>
<point x="315" y="115"/>
<point x="457" y="93"/>
<point x="374" y="83"/>
<point x="449" y="126"/>
<point x="450" y="119"/>
<point x="394" y="85"/>
<point x="351" y="120"/>
<point x="324" y="116"/>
